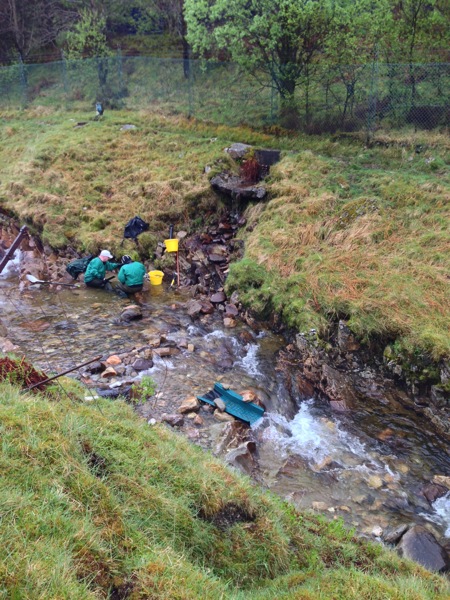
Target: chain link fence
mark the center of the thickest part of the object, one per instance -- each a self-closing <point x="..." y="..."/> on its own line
<point x="327" y="99"/>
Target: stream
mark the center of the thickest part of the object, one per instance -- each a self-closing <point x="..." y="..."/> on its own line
<point x="367" y="466"/>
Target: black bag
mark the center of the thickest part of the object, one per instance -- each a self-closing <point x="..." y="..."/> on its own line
<point x="78" y="266"/>
<point x="135" y="227"/>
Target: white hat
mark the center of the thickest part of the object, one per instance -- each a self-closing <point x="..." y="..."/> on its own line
<point x="106" y="253"/>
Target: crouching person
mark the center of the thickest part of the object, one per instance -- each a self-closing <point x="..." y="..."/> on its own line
<point x="95" y="273"/>
<point x="131" y="276"/>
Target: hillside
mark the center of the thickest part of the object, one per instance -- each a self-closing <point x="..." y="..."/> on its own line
<point x="348" y="232"/>
<point x="96" y="504"/>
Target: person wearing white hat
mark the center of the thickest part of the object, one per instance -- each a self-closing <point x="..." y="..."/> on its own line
<point x="95" y="273"/>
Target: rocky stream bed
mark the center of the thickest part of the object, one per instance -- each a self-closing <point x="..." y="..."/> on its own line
<point x="361" y="453"/>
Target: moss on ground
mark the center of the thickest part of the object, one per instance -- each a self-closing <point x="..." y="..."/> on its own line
<point x="97" y="504"/>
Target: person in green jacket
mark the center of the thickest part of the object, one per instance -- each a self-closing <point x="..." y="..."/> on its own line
<point x="95" y="273"/>
<point x="131" y="276"/>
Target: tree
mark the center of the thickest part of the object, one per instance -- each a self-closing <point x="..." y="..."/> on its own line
<point x="28" y="25"/>
<point x="279" y="38"/>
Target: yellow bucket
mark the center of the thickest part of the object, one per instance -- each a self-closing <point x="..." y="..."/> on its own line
<point x="171" y="245"/>
<point x="156" y="277"/>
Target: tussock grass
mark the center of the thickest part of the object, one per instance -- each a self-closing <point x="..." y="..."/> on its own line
<point x="97" y="504"/>
<point x="360" y="234"/>
<point x="350" y="231"/>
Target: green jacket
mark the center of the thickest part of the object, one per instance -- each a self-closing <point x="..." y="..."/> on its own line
<point x="132" y="274"/>
<point x="97" y="269"/>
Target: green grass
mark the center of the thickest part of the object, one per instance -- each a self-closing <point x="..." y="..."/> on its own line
<point x="94" y="502"/>
<point x="348" y="232"/>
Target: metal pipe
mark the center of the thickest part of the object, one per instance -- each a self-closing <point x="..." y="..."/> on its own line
<point x="10" y="252"/>
<point x="63" y="373"/>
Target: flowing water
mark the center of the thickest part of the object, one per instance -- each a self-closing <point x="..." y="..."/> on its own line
<point x="367" y="466"/>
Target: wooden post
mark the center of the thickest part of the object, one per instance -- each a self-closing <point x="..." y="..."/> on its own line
<point x="178" y="271"/>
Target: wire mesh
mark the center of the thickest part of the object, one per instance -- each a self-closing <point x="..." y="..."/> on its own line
<point x="327" y="98"/>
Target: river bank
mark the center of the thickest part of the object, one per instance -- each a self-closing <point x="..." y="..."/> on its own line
<point x="302" y="448"/>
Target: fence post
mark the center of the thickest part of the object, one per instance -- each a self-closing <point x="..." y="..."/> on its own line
<point x="23" y="82"/>
<point x="64" y="73"/>
<point x="190" y="96"/>
<point x="121" y="93"/>
<point x="372" y="107"/>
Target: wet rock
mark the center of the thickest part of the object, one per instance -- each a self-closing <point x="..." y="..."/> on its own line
<point x="292" y="466"/>
<point x="375" y="482"/>
<point x="3" y="329"/>
<point x="172" y="419"/>
<point x="420" y="545"/>
<point x="249" y="396"/>
<point x="346" y="340"/>
<point x="229" y="323"/>
<point x="193" y="308"/>
<point x="207" y="307"/>
<point x="222" y="416"/>
<point x="242" y="457"/>
<point x="7" y="346"/>
<point x="392" y="536"/>
<point x="190" y="404"/>
<point x="442" y="480"/>
<point x="166" y="351"/>
<point x="218" y="297"/>
<point x="131" y="313"/>
<point x="142" y="364"/>
<point x="433" y="491"/>
<point x="198" y="420"/>
<point x="109" y="372"/>
<point x="231" y="310"/>
<point x="220" y="404"/>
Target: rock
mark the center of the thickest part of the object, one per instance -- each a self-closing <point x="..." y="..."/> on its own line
<point x="442" y="480"/>
<point x="142" y="364"/>
<point x="7" y="346"/>
<point x="198" y="420"/>
<point x="109" y="372"/>
<point x="3" y="329"/>
<point x="172" y="419"/>
<point x="433" y="491"/>
<point x="319" y="506"/>
<point x="207" y="307"/>
<point x="130" y="313"/>
<point x="220" y="404"/>
<point x="151" y="421"/>
<point x="190" y="347"/>
<point x="166" y="351"/>
<point x="193" y="308"/>
<point x="113" y="360"/>
<point x="95" y="367"/>
<point x="420" y="545"/>
<point x="377" y="531"/>
<point x="242" y="457"/>
<point x="238" y="150"/>
<point x="188" y="405"/>
<point x="127" y="127"/>
<point x="249" y="396"/>
<point x="375" y="482"/>
<point x="231" y="310"/>
<point x="218" y="297"/>
<point x="346" y="340"/>
<point x="222" y="416"/>
<point x="391" y="536"/>
<point x="229" y="323"/>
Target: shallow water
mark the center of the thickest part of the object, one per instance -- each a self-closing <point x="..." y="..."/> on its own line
<point x="305" y="452"/>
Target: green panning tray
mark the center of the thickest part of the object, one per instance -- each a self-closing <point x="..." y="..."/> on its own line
<point x="234" y="404"/>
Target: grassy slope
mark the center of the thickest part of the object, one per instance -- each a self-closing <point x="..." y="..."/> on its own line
<point x="95" y="502"/>
<point x="349" y="231"/>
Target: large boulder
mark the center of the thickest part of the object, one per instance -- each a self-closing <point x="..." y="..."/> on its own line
<point x="420" y="545"/>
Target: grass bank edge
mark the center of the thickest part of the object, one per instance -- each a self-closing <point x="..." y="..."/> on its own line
<point x="94" y="500"/>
